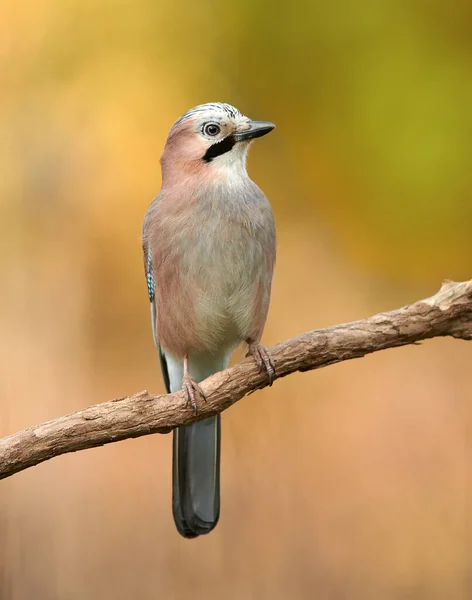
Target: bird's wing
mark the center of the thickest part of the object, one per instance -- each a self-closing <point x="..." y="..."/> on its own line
<point x="152" y="299"/>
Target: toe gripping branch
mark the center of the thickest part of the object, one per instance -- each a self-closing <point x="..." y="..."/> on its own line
<point x="263" y="359"/>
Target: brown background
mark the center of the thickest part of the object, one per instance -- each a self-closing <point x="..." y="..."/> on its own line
<point x="365" y="492"/>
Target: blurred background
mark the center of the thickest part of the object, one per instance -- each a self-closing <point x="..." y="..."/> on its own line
<point x="353" y="482"/>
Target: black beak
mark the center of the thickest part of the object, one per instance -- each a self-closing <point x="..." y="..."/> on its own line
<point x="256" y="129"/>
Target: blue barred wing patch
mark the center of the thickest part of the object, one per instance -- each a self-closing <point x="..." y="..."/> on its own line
<point x="150" y="276"/>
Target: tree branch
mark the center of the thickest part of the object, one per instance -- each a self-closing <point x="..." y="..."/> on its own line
<point x="448" y="313"/>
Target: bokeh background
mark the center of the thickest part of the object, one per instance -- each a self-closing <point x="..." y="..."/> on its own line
<point x="353" y="482"/>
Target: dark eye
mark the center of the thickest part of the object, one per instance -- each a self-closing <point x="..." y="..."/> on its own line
<point x="211" y="129"/>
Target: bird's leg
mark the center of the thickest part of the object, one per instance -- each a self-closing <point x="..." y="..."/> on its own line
<point x="262" y="358"/>
<point x="191" y="388"/>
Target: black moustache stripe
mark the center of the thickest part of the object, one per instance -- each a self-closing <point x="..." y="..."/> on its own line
<point x="219" y="148"/>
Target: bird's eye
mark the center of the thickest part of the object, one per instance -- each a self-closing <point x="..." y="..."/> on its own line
<point x="211" y="129"/>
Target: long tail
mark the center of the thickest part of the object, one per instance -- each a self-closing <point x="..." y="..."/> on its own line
<point x="195" y="468"/>
<point x="196" y="477"/>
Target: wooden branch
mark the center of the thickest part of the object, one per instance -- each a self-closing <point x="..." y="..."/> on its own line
<point x="448" y="313"/>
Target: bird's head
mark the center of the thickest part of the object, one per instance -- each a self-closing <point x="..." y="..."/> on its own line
<point x="211" y="139"/>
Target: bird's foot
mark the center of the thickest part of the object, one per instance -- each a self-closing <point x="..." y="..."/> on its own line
<point x="192" y="390"/>
<point x="263" y="359"/>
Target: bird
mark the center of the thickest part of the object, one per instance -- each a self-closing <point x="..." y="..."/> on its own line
<point x="209" y="246"/>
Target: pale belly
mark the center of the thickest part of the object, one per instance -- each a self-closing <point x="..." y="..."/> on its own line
<point x="229" y="283"/>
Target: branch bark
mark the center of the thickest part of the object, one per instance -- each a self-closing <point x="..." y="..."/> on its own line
<point x="448" y="313"/>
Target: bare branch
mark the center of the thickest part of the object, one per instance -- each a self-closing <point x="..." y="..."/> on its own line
<point x="448" y="313"/>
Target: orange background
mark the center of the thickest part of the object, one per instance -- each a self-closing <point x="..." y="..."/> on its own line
<point x="353" y="482"/>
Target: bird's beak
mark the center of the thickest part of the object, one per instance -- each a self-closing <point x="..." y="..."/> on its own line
<point x="254" y="130"/>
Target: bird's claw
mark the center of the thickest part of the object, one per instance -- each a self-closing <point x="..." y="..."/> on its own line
<point x="191" y="390"/>
<point x="263" y="359"/>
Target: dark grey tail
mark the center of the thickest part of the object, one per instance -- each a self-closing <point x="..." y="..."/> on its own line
<point x="195" y="472"/>
<point x="196" y="477"/>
